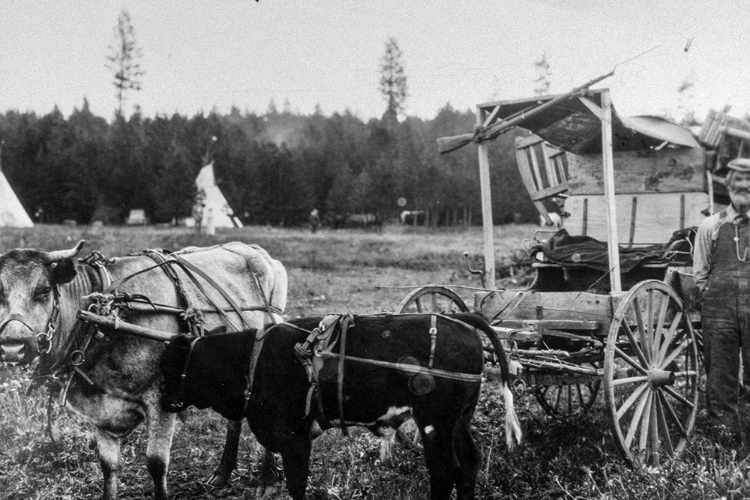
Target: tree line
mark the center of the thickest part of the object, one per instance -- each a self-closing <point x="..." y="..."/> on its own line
<point x="273" y="168"/>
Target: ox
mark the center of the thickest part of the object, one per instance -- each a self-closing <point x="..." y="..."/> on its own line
<point x="113" y="380"/>
<point x="293" y="379"/>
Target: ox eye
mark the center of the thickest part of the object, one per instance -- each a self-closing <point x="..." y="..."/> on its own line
<point x="42" y="293"/>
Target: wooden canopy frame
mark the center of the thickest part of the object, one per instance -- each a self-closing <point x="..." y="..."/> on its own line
<point x="496" y="118"/>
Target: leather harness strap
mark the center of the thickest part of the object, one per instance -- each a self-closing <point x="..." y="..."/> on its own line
<point x="346" y="322"/>
<point x="412" y="369"/>
<point x="260" y="337"/>
<point x="195" y="327"/>
<point x="433" y="339"/>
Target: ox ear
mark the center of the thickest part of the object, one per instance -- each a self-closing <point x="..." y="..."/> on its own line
<point x="63" y="271"/>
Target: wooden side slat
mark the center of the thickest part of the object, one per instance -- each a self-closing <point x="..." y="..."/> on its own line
<point x="550" y="191"/>
<point x="524" y="168"/>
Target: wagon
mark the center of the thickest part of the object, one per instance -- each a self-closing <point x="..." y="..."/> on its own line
<point x="613" y="304"/>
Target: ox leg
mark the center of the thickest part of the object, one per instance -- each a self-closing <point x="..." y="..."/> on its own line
<point x="108" y="449"/>
<point x="469" y="460"/>
<point x="296" y="458"/>
<point x="268" y="475"/>
<point x="160" y="432"/>
<point x="228" y="460"/>
<point x="440" y="457"/>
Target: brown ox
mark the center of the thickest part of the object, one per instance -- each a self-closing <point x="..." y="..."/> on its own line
<point x="113" y="379"/>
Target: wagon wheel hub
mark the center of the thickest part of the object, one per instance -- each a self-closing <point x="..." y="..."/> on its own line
<point x="660" y="378"/>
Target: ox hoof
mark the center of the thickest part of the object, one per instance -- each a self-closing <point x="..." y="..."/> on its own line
<point x="218" y="479"/>
<point x="265" y="491"/>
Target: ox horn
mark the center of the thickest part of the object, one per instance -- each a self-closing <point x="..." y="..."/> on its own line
<point x="59" y="255"/>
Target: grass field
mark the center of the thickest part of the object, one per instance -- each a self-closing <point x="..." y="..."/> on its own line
<point x="335" y="272"/>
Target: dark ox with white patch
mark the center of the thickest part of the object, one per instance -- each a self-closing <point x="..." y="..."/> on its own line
<point x="118" y="385"/>
<point x="390" y="364"/>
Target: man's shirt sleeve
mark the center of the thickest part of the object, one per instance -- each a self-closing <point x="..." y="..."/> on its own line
<point x="702" y="253"/>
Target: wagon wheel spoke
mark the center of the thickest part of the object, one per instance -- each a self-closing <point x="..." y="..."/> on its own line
<point x="643" y="348"/>
<point x="660" y="322"/>
<point x="632" y="399"/>
<point x="671" y="333"/>
<point x="569" y="399"/>
<point x="635" y="345"/>
<point x="672" y="415"/>
<point x="675" y="354"/>
<point x="621" y="355"/>
<point x="636" y="421"/>
<point x="679" y="397"/>
<point x="630" y="380"/>
<point x="663" y="428"/>
<point x="556" y="406"/>
<point x="646" y="424"/>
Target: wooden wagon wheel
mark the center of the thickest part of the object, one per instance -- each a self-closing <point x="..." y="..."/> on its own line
<point x="567" y="400"/>
<point x="651" y="374"/>
<point x="432" y="299"/>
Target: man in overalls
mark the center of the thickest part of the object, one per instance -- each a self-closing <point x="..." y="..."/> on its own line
<point x="721" y="264"/>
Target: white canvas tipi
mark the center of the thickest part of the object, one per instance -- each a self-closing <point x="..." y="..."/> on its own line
<point x="216" y="210"/>
<point x="12" y="213"/>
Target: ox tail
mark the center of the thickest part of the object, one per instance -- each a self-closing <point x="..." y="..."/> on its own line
<point x="512" y="426"/>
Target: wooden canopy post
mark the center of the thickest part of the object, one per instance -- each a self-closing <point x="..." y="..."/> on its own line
<point x="487" y="224"/>
<point x="609" y="193"/>
<point x="604" y="113"/>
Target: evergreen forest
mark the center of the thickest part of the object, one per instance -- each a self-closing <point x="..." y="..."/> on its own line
<point x="273" y="168"/>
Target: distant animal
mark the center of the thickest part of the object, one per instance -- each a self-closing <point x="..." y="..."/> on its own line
<point x="363" y="221"/>
<point x="113" y="378"/>
<point x="293" y="379"/>
<point x="413" y="217"/>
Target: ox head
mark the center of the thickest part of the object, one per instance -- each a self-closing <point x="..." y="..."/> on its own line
<point x="29" y="281"/>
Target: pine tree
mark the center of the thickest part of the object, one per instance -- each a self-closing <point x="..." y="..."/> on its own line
<point x="542" y="81"/>
<point x="124" y="60"/>
<point x="393" y="80"/>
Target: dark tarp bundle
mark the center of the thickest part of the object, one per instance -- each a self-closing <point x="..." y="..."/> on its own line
<point x="584" y="251"/>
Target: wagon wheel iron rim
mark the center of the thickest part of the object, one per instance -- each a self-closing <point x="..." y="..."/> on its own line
<point x="651" y="374"/>
<point x="432" y="299"/>
<point x="568" y="400"/>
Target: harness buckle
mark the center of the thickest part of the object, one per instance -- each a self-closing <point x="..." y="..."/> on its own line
<point x="43" y="344"/>
<point x="77" y="357"/>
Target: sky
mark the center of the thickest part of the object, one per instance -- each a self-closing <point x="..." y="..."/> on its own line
<point x="204" y="55"/>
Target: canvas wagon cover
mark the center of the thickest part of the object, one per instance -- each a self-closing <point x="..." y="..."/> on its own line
<point x="571" y="126"/>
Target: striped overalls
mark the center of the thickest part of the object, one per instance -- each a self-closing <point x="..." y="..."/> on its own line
<point x="725" y="317"/>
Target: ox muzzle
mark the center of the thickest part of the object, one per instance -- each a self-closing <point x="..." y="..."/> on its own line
<point x="17" y="341"/>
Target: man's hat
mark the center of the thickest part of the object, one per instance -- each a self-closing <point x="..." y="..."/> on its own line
<point x="739" y="165"/>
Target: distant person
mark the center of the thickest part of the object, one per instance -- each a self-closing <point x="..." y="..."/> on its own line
<point x="721" y="264"/>
<point x="314" y="220"/>
<point x="198" y="216"/>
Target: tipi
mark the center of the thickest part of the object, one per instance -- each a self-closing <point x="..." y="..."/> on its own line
<point x="214" y="205"/>
<point x="12" y="213"/>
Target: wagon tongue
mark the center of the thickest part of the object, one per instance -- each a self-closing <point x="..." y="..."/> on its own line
<point x="12" y="352"/>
